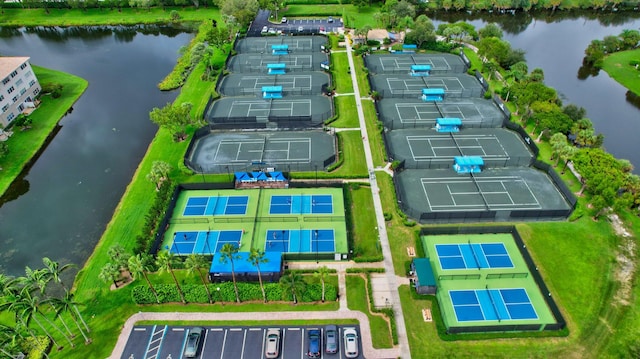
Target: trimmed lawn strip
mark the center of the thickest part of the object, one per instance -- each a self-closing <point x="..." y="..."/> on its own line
<point x="378" y="152"/>
<point x="351" y="15"/>
<point x="357" y="300"/>
<point x="340" y="71"/>
<point x="363" y="222"/>
<point x="617" y="66"/>
<point x="102" y="16"/>
<point x="24" y="145"/>
<point x="354" y="165"/>
<point x="347" y="113"/>
<point x="361" y="76"/>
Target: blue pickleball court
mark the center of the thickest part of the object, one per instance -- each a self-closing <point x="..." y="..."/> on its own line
<point x="203" y="242"/>
<point x="300" y="241"/>
<point x="216" y="206"/>
<point x="301" y="204"/>
<point x="492" y="304"/>
<point x="473" y="255"/>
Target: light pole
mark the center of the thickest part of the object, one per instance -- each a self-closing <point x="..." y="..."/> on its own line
<point x="220" y="296"/>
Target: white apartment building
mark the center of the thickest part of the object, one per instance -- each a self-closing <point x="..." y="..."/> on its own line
<point x="18" y="88"/>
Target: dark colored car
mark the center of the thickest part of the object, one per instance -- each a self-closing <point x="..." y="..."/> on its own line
<point x="314" y="343"/>
<point x="331" y="339"/>
<point x="194" y="336"/>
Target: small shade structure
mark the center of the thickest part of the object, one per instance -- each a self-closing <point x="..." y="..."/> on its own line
<point x="271" y="92"/>
<point x="468" y="164"/>
<point x="275" y="176"/>
<point x="420" y="70"/>
<point x="409" y="48"/>
<point x="244" y="177"/>
<point x="276" y="69"/>
<point x="271" y="271"/>
<point x="448" y="124"/>
<point x="259" y="176"/>
<point x="280" y="49"/>
<point x="425" y="281"/>
<point x="435" y="94"/>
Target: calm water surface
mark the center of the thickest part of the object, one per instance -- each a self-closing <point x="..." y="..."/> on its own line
<point x="62" y="205"/>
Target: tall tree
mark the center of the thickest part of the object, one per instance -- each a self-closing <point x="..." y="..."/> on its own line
<point x="159" y="173"/>
<point x="110" y="273"/>
<point x="229" y="253"/>
<point x="55" y="271"/>
<point x="165" y="262"/>
<point x="119" y="257"/>
<point x="256" y="257"/>
<point x="30" y="305"/>
<point x="138" y="265"/>
<point x="66" y="304"/>
<point x="292" y="283"/>
<point x="174" y="118"/>
<point x="322" y="273"/>
<point x="195" y="263"/>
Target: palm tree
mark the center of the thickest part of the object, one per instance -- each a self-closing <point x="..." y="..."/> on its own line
<point x="30" y="308"/>
<point x="138" y="266"/>
<point x="119" y="257"/>
<point x="256" y="257"/>
<point x="54" y="270"/>
<point x="8" y="340"/>
<point x="195" y="263"/>
<point x="67" y="304"/>
<point x="294" y="284"/>
<point x="322" y="273"/>
<point x="229" y="253"/>
<point x="165" y="262"/>
<point x="159" y="173"/>
<point x="110" y="273"/>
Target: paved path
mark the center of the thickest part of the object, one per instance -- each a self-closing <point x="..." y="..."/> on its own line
<point x="382" y="228"/>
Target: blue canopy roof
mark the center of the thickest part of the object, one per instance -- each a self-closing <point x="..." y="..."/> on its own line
<point x="436" y="91"/>
<point x="420" y="67"/>
<point x="448" y="121"/>
<point x="271" y="88"/>
<point x="424" y="273"/>
<point x="242" y="265"/>
<point x="469" y="160"/>
<point x="242" y="177"/>
<point x="276" y="66"/>
<point x="280" y="47"/>
<point x="409" y="46"/>
<point x="260" y="176"/>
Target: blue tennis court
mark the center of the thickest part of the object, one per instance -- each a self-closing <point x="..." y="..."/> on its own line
<point x="302" y="204"/>
<point x="473" y="255"/>
<point x="300" y="241"/>
<point x="216" y="206"/>
<point x="203" y="242"/>
<point x="492" y="304"/>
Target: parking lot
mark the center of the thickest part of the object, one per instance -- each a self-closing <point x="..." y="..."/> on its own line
<point x="306" y="26"/>
<point x="163" y="341"/>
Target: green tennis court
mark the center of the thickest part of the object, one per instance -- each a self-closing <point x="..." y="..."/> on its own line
<point x="392" y="63"/>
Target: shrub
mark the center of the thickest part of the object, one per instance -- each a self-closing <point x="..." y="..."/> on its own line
<point x="174" y="16"/>
<point x="53" y="88"/>
<point x="388" y="216"/>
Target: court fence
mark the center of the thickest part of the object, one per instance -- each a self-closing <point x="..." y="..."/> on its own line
<point x="416" y="94"/>
<point x="243" y="91"/>
<point x="481" y="80"/>
<point x="533" y="269"/>
<point x="526" y="139"/>
<point x="378" y="68"/>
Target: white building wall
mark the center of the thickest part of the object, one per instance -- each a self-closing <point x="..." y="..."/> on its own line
<point x="16" y="87"/>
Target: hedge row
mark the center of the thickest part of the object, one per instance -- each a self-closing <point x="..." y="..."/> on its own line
<point x="194" y="293"/>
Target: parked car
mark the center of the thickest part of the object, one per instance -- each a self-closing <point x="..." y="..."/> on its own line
<point x="330" y="19"/>
<point x="194" y="337"/>
<point x="284" y="20"/>
<point x="264" y="30"/>
<point x="300" y="29"/>
<point x="314" y="343"/>
<point x="272" y="348"/>
<point x="272" y="30"/>
<point x="331" y="339"/>
<point x="322" y="29"/>
<point x="350" y="343"/>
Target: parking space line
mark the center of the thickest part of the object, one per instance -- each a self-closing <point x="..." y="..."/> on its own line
<point x="216" y="329"/>
<point x="244" y="340"/>
<point x="224" y="342"/>
<point x="264" y="341"/>
<point x="255" y="329"/>
<point x="302" y="353"/>
<point x="177" y="329"/>
<point x="204" y="343"/>
<point x="139" y="329"/>
<point x="235" y="329"/>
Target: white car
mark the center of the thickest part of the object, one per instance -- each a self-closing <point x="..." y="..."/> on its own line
<point x="272" y="30"/>
<point x="264" y="30"/>
<point x="350" y="343"/>
<point x="272" y="347"/>
<point x="284" y="20"/>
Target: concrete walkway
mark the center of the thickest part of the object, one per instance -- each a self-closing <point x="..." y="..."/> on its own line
<point x="394" y="297"/>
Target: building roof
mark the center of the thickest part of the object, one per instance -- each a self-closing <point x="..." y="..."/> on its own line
<point x="8" y="64"/>
<point x="242" y="265"/>
<point x="424" y="273"/>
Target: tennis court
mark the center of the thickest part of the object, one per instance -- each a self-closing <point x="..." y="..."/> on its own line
<point x="311" y="108"/>
<point x="492" y="304"/>
<point x="427" y="148"/>
<point x="303" y="204"/>
<point x="300" y="150"/>
<point x="300" y="241"/>
<point x="497" y="192"/>
<point x="296" y="83"/>
<point x="413" y="113"/>
<point x="203" y="242"/>
<point x="257" y="63"/>
<point x="295" y="44"/>
<point x="473" y="255"/>
<point x="216" y="206"/>
<point x="440" y="63"/>
<point x="407" y="86"/>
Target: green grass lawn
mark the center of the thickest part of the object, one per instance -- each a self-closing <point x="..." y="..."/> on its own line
<point x="347" y="113"/>
<point x="340" y="71"/>
<point x="364" y="231"/>
<point x="352" y="17"/>
<point x="617" y="66"/>
<point x="23" y="145"/>
<point x="357" y="300"/>
<point x="103" y="16"/>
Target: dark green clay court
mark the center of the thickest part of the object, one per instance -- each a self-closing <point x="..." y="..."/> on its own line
<point x="401" y="64"/>
<point x="295" y="44"/>
<point x="484" y="284"/>
<point x="294" y="62"/>
<point x="298" y="83"/>
<point x="407" y="86"/>
<point x="231" y="151"/>
<point x="314" y="109"/>
<point x="307" y="222"/>
<point x="427" y="148"/>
